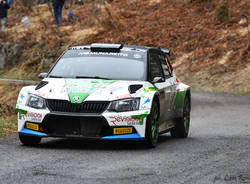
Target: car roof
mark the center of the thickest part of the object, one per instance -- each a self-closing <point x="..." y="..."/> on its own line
<point x="104" y="47"/>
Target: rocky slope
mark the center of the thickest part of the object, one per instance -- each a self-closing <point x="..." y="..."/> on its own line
<point x="208" y="38"/>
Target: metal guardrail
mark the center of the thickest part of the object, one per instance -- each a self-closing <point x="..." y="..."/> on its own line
<point x="19" y="80"/>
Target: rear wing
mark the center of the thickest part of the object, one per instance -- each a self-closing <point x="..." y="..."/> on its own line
<point x="166" y="51"/>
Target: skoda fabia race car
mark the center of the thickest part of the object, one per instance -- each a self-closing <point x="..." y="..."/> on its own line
<point x="109" y="92"/>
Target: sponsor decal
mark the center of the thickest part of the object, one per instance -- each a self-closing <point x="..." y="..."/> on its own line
<point x="22" y="96"/>
<point x="142" y="95"/>
<point x="124" y="119"/>
<point x="20" y="112"/>
<point x="137" y="56"/>
<point x="124" y="96"/>
<point x="39" y="94"/>
<point x="96" y="82"/>
<point x="21" y="99"/>
<point x="28" y="89"/>
<point x="150" y="89"/>
<point x="85" y="85"/>
<point x="131" y="123"/>
<point x="102" y="81"/>
<point x="81" y="90"/>
<point x="179" y="100"/>
<point x="127" y="130"/>
<point x="141" y="117"/>
<point x="97" y="85"/>
<point x="103" y="53"/>
<point x="32" y="116"/>
<point x="174" y="80"/>
<point x="146" y="101"/>
<point x="64" y="89"/>
<point x="146" y="104"/>
<point x="108" y="81"/>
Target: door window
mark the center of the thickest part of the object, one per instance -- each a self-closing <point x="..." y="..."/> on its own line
<point x="155" y="67"/>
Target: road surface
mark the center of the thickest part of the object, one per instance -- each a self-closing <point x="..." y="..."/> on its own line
<point x="217" y="151"/>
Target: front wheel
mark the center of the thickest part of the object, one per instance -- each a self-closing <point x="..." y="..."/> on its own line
<point x="152" y="126"/>
<point x="182" y="124"/>
<point x="29" y="140"/>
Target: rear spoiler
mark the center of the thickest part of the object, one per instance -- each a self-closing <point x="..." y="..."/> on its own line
<point x="166" y="51"/>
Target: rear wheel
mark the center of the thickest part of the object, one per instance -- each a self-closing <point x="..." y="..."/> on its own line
<point x="152" y="126"/>
<point x="29" y="140"/>
<point x="182" y="124"/>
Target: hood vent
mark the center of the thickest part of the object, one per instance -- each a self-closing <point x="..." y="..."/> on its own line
<point x="41" y="84"/>
<point x="133" y="88"/>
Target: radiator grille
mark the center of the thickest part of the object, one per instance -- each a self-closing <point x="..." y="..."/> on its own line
<point x="58" y="125"/>
<point x="85" y="107"/>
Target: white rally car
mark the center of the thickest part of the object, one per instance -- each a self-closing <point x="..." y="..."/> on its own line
<point x="109" y="92"/>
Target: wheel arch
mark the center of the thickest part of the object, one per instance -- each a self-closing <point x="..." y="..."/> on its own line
<point x="183" y="91"/>
<point x="188" y="95"/>
<point x="157" y="100"/>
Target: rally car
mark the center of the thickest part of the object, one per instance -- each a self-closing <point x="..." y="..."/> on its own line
<point x="108" y="92"/>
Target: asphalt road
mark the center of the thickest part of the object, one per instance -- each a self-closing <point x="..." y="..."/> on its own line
<point x="217" y="151"/>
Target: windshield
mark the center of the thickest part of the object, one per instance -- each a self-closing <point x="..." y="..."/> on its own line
<point x="99" y="67"/>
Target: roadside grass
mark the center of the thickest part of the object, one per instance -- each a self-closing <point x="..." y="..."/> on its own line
<point x="8" y="125"/>
<point x="19" y="72"/>
<point x="8" y="97"/>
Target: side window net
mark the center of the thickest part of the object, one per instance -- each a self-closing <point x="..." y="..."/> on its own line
<point x="165" y="66"/>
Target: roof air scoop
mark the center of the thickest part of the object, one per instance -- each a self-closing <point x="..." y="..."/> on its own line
<point x="104" y="47"/>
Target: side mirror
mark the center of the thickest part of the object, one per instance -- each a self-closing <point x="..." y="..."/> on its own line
<point x="42" y="75"/>
<point x="158" y="80"/>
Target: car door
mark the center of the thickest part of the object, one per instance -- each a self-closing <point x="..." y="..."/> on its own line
<point x="170" y="77"/>
<point x="164" y="87"/>
<point x="169" y="74"/>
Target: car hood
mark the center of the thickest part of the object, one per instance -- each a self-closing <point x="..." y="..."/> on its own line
<point x="79" y="90"/>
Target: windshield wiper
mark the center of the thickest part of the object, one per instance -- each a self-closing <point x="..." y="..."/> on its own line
<point x="54" y="76"/>
<point x="89" y="77"/>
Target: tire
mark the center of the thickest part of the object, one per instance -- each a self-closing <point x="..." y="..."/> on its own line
<point x="29" y="140"/>
<point x="152" y="126"/>
<point x="182" y="124"/>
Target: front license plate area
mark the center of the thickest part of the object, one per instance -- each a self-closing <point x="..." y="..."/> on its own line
<point x="32" y="126"/>
<point x="127" y="130"/>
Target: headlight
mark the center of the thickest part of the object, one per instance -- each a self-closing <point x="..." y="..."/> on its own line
<point x="36" y="102"/>
<point x="131" y="104"/>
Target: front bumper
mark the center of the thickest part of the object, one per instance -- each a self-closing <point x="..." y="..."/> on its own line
<point x="98" y="126"/>
<point x="134" y="136"/>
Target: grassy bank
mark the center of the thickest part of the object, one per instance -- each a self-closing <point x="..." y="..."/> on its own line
<point x="8" y="97"/>
<point x="8" y="126"/>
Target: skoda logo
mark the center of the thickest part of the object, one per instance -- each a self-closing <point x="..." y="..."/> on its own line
<point x="76" y="98"/>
